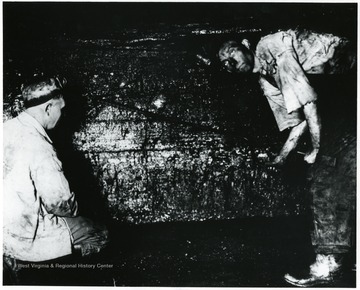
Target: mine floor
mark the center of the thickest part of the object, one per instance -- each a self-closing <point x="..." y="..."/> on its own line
<point x="236" y="253"/>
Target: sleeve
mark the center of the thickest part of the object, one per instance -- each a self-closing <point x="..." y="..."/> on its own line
<point x="52" y="186"/>
<point x="275" y="99"/>
<point x="292" y="81"/>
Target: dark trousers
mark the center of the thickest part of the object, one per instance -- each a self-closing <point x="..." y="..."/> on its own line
<point x="333" y="189"/>
<point x="87" y="236"/>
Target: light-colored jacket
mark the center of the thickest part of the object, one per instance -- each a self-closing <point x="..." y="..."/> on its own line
<point x="36" y="194"/>
<point x="287" y="56"/>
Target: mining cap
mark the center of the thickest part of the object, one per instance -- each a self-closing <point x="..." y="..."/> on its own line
<point x="43" y="90"/>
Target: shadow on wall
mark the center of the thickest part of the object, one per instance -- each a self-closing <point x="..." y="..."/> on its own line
<point x="78" y="170"/>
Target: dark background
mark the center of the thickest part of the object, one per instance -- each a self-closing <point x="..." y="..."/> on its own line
<point x="90" y="19"/>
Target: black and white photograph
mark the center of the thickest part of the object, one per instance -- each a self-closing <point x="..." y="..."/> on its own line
<point x="179" y="144"/>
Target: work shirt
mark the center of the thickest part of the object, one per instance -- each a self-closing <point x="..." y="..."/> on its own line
<point x="36" y="194"/>
<point x="286" y="57"/>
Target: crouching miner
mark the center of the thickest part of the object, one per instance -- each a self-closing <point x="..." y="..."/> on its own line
<point x="40" y="213"/>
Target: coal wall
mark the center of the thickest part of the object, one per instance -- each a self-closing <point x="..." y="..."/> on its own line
<point x="153" y="130"/>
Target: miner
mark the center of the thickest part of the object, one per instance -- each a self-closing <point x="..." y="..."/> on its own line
<point x="283" y="61"/>
<point x="40" y="213"/>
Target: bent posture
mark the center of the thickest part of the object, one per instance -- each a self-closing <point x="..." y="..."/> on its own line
<point x="283" y="59"/>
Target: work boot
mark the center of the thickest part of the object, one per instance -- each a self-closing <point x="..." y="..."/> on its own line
<point x="324" y="271"/>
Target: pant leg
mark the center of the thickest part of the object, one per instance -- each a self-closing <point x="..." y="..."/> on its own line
<point x="333" y="187"/>
<point x="88" y="236"/>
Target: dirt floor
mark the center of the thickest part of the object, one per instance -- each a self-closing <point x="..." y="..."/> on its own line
<point x="236" y="253"/>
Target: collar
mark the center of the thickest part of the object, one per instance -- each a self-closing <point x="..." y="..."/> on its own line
<point x="30" y="121"/>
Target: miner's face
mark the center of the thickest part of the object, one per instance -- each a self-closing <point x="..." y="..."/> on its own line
<point x="237" y="60"/>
